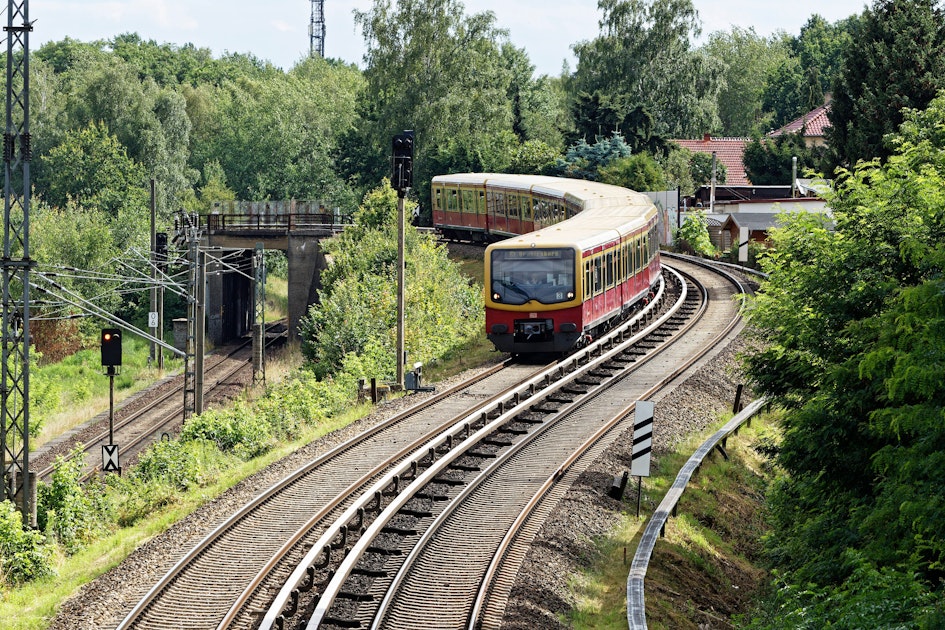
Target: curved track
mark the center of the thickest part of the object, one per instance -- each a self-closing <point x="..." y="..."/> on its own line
<point x="309" y="530"/>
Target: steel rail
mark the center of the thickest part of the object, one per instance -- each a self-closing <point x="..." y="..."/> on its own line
<point x="476" y="621"/>
<point x="247" y="509"/>
<point x="135" y="415"/>
<point x="458" y="450"/>
<point x="525" y="390"/>
<point x="350" y="514"/>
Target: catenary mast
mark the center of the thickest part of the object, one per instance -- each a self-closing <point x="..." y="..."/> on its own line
<point x="17" y="484"/>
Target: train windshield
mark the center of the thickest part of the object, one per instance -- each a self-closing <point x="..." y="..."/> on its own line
<point x="522" y="275"/>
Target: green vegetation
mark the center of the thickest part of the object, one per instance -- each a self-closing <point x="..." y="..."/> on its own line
<point x="694" y="233"/>
<point x="177" y="475"/>
<point x="352" y="329"/>
<point x="712" y="545"/>
<point x="852" y="325"/>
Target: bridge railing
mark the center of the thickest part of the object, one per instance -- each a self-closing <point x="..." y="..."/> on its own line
<point x="270" y="222"/>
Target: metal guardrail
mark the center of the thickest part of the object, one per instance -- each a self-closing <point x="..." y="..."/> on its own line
<point x="636" y="612"/>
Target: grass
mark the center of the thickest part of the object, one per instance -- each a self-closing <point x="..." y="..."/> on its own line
<point x="714" y="538"/>
<point x="68" y="393"/>
<point x="31" y="607"/>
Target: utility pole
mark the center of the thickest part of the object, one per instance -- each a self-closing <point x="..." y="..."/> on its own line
<point x="16" y="479"/>
<point x="316" y="29"/>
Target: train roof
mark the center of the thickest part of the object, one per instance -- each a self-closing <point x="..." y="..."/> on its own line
<point x="587" y="230"/>
<point x="584" y="192"/>
<point x="606" y="210"/>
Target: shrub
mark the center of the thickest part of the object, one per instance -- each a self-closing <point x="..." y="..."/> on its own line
<point x="71" y="514"/>
<point x="239" y="431"/>
<point x="171" y="462"/>
<point x="24" y="554"/>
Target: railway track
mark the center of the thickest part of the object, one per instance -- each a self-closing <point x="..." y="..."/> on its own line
<point x="315" y="539"/>
<point x="142" y="422"/>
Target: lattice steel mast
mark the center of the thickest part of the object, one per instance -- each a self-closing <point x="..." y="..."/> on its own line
<point x="316" y="29"/>
<point x="16" y="264"/>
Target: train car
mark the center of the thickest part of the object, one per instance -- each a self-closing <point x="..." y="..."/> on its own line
<point x="554" y="289"/>
<point x="487" y="207"/>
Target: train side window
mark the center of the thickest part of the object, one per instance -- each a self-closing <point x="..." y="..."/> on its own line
<point x="499" y="204"/>
<point x="452" y="201"/>
<point x="588" y="279"/>
<point x="468" y="203"/>
<point x="437" y="199"/>
<point x="598" y="276"/>
<point x="481" y="203"/>
<point x="609" y="271"/>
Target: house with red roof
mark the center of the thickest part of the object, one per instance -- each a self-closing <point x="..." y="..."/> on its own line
<point x="728" y="151"/>
<point x="812" y="124"/>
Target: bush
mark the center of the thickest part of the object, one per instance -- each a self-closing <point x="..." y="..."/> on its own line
<point x="72" y="514"/>
<point x="24" y="554"/>
<point x="240" y="431"/>
<point x="170" y="462"/>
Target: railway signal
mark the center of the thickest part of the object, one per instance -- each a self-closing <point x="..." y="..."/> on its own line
<point x="111" y="348"/>
<point x="402" y="176"/>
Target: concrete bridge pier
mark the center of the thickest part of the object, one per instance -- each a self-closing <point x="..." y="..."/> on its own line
<point x="306" y="262"/>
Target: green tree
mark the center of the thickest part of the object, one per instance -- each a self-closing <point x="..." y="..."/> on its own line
<point x="694" y="234"/>
<point x="92" y="168"/>
<point x="352" y="328"/>
<point x="637" y="172"/>
<point x="769" y="161"/>
<point x="584" y="161"/>
<point x="749" y="63"/>
<point x="643" y="58"/>
<point x="854" y="331"/>
<point x="700" y="167"/>
<point x="454" y="95"/>
<point x="800" y="83"/>
<point x="896" y="60"/>
<point x="275" y="137"/>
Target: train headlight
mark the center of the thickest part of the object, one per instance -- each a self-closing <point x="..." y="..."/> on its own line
<point x="496" y="297"/>
<point x="570" y="295"/>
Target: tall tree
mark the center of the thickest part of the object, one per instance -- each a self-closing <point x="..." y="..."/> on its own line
<point x="803" y="79"/>
<point x="896" y="60"/>
<point x="769" y="161"/>
<point x="643" y="57"/>
<point x="433" y="69"/>
<point x="852" y="317"/>
<point x="749" y="63"/>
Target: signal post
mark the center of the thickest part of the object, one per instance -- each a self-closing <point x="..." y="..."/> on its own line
<point x="111" y="361"/>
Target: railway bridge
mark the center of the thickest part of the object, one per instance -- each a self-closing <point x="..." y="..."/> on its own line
<point x="294" y="227"/>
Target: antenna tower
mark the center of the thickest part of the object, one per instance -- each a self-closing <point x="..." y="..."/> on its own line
<point x="316" y="29"/>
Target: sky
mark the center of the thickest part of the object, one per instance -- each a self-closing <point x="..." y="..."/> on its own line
<point x="277" y="30"/>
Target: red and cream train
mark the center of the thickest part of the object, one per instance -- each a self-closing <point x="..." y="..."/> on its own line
<point x="571" y="255"/>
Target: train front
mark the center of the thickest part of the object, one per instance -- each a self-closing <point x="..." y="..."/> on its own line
<point x="533" y="296"/>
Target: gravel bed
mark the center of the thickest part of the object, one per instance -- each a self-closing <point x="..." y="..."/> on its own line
<point x="562" y="547"/>
<point x="104" y="602"/>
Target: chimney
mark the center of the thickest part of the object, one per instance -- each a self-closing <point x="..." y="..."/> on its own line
<point x="707" y="138"/>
